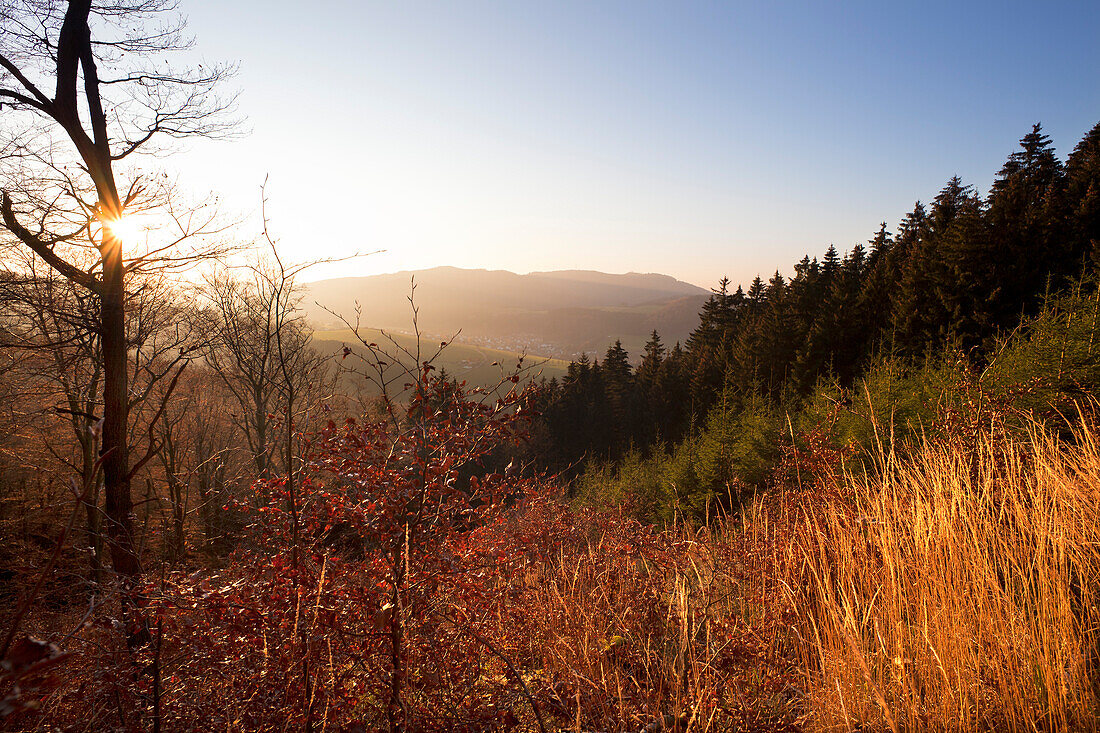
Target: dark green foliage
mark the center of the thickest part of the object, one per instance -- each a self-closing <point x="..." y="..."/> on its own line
<point x="966" y="295"/>
<point x="1082" y="199"/>
<point x="893" y="401"/>
<point x="714" y="471"/>
<point x="836" y="338"/>
<point x="1026" y="227"/>
<point x="710" y="344"/>
<point x="915" y="305"/>
<point x="1054" y="364"/>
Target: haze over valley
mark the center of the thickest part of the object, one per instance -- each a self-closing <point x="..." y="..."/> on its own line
<point x="559" y="314"/>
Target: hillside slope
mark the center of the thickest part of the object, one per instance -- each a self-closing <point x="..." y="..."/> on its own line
<point x="478" y="366"/>
<point x="558" y="314"/>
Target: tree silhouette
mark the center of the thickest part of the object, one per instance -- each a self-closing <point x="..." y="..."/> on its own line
<point x="75" y="108"/>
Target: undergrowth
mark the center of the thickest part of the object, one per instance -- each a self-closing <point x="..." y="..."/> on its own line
<point x="955" y="588"/>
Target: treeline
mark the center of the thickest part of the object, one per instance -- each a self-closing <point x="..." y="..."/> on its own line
<point x="956" y="279"/>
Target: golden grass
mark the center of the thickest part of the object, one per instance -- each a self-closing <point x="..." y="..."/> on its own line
<point x="629" y="628"/>
<point x="958" y="592"/>
<point x="955" y="589"/>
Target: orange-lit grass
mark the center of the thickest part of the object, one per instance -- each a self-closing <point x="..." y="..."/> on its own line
<point x="628" y="627"/>
<point x="959" y="592"/>
<point x="956" y="589"/>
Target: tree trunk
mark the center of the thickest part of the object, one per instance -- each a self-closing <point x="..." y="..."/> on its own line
<point x="118" y="503"/>
<point x="95" y="539"/>
<point x="176" y="490"/>
<point x="89" y="480"/>
<point x="205" y="510"/>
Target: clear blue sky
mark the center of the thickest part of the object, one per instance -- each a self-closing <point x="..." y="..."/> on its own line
<point x="694" y="139"/>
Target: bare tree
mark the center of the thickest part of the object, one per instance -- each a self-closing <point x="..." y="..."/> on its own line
<point x="199" y="448"/>
<point x="217" y="464"/>
<point x="53" y="320"/>
<point x="84" y="86"/>
<point x="260" y="349"/>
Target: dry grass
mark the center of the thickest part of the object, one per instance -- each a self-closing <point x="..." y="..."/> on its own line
<point x="631" y="629"/>
<point x="954" y="590"/>
<point x="958" y="593"/>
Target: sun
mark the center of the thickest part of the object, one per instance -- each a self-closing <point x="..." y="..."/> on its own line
<point x="126" y="228"/>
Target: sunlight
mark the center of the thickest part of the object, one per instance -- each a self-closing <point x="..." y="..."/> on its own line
<point x="127" y="228"/>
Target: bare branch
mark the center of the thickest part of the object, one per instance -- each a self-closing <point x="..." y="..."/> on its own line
<point x="44" y="248"/>
<point x="41" y="101"/>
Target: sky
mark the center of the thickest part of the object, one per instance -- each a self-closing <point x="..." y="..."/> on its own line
<point x="695" y="139"/>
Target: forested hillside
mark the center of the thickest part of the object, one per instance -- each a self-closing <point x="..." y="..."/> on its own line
<point x="938" y="298"/>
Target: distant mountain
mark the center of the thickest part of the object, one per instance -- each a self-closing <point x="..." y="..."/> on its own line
<point x="559" y="314"/>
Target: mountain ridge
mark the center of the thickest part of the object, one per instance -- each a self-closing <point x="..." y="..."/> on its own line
<point x="558" y="313"/>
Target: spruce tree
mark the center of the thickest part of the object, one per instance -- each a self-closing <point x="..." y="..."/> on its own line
<point x="651" y="387"/>
<point x="830" y="264"/>
<point x="875" y="299"/>
<point x="835" y="341"/>
<point x="673" y="397"/>
<point x="755" y="295"/>
<point x="618" y="382"/>
<point x="1025" y="226"/>
<point x="652" y="357"/>
<point x="917" y="309"/>
<point x="1082" y="200"/>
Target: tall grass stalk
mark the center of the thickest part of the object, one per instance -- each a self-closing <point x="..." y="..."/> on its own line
<point x="956" y="599"/>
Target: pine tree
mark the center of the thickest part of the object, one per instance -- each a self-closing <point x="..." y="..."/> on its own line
<point x="830" y="264"/>
<point x="917" y="308"/>
<point x="879" y="285"/>
<point x="880" y="243"/>
<point x="709" y="343"/>
<point x="756" y="291"/>
<point x="652" y="357"/>
<point x="775" y="340"/>
<point x="1082" y="199"/>
<point x="673" y="397"/>
<point x="647" y="386"/>
<point x="968" y="265"/>
<point x="618" y="382"/>
<point x="715" y="318"/>
<point x="806" y="293"/>
<point x="836" y="340"/>
<point x="578" y="419"/>
<point x="1025" y="226"/>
